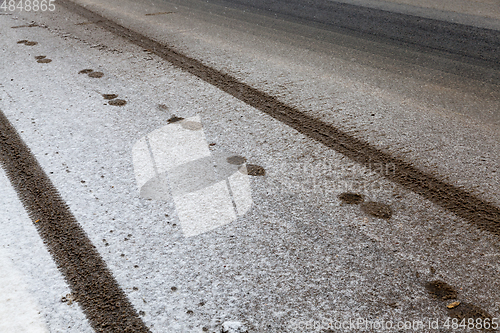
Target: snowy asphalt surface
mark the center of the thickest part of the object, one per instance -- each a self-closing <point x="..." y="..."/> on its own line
<point x="298" y="255"/>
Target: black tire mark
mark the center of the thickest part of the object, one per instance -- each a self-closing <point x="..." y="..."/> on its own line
<point x="102" y="300"/>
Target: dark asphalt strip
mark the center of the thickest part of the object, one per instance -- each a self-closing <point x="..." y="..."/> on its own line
<point x="403" y="29"/>
<point x="479" y="212"/>
<point x="92" y="284"/>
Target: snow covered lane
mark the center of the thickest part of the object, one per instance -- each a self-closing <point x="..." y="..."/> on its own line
<point x="105" y="119"/>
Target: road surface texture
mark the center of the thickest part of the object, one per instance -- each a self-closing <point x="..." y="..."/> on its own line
<point x="250" y="166"/>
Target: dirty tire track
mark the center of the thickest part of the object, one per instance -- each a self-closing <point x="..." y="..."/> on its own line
<point x="479" y="212"/>
<point x="96" y="291"/>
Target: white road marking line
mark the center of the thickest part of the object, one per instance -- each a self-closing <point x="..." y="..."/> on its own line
<point x="18" y="310"/>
